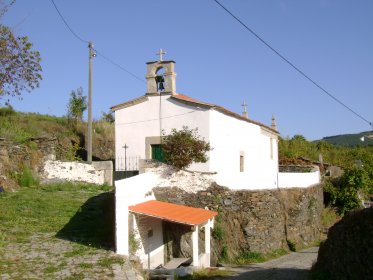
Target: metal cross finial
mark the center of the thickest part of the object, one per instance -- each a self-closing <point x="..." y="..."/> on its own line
<point x="244" y="105"/>
<point x="160" y="53"/>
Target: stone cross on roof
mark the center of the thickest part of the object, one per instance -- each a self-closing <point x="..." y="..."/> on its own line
<point x="160" y="53"/>
<point x="244" y="105"/>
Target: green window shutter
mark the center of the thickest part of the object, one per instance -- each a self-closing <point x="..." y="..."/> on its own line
<point x="157" y="152"/>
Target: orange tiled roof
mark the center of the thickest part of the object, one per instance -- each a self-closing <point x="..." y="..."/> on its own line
<point x="173" y="212"/>
<point x="182" y="97"/>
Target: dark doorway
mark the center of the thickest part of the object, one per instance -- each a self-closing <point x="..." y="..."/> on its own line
<point x="157" y="152"/>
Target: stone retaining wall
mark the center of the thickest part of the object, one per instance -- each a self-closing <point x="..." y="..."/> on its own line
<point x="260" y="221"/>
<point x="14" y="157"/>
<point x="100" y="172"/>
<point x="348" y="251"/>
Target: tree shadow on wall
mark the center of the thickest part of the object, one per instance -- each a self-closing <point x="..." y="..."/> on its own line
<point x="93" y="224"/>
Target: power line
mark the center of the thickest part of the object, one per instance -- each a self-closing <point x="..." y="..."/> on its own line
<point x="119" y="66"/>
<point x="293" y="66"/>
<point x="67" y="25"/>
<point x="85" y="41"/>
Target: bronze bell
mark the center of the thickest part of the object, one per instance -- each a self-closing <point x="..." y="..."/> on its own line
<point x="160" y="82"/>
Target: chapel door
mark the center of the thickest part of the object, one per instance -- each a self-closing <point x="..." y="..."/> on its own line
<point x="157" y="152"/>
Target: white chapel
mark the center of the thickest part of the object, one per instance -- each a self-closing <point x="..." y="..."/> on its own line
<point x="244" y="152"/>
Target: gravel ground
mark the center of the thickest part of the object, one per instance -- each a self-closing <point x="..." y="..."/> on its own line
<point x="293" y="266"/>
<point x="44" y="256"/>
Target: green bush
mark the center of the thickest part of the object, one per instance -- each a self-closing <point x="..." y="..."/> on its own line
<point x="224" y="253"/>
<point x="217" y="232"/>
<point x="347" y="191"/>
<point x="183" y="147"/>
<point x="250" y="257"/>
<point x="27" y="179"/>
<point x="7" y="111"/>
<point x="133" y="242"/>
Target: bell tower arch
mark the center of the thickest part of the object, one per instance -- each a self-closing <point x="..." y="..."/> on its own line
<point x="169" y="75"/>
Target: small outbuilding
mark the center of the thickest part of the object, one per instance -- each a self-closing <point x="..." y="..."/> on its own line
<point x="146" y="227"/>
<point x="148" y="220"/>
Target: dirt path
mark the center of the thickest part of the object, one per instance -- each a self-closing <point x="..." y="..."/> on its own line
<point x="44" y="256"/>
<point x="293" y="266"/>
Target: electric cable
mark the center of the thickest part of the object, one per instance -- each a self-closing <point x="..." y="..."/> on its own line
<point x="293" y="66"/>
<point x="119" y="66"/>
<point x="67" y="25"/>
<point x="87" y="42"/>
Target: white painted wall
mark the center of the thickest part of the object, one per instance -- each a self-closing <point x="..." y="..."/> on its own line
<point x="298" y="180"/>
<point x="231" y="138"/>
<point x="133" y="124"/>
<point x="151" y="252"/>
<point x="128" y="192"/>
<point x="73" y="171"/>
<point x="227" y="135"/>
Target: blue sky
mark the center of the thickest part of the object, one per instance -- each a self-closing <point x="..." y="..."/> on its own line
<point x="217" y="60"/>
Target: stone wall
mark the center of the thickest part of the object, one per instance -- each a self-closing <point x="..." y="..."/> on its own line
<point x="348" y="251"/>
<point x="100" y="172"/>
<point x="14" y="157"/>
<point x="260" y="221"/>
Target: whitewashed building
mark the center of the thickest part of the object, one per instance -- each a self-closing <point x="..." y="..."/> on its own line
<point x="244" y="152"/>
<point x="244" y="155"/>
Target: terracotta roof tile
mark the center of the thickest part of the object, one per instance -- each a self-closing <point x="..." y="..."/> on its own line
<point x="173" y="212"/>
<point x="182" y="97"/>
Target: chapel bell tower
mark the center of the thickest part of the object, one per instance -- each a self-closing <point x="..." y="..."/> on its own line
<point x="160" y="76"/>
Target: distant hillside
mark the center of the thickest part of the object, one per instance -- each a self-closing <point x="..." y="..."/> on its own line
<point x="351" y="139"/>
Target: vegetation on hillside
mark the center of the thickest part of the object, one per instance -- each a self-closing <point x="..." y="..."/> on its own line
<point x="27" y="138"/>
<point x="22" y="128"/>
<point x="348" y="191"/>
<point x="359" y="139"/>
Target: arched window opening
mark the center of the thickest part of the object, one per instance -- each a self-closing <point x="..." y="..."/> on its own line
<point x="159" y="79"/>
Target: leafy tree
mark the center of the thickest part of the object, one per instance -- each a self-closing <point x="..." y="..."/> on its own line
<point x="299" y="138"/>
<point x="346" y="193"/>
<point x="76" y="106"/>
<point x="108" y="117"/>
<point x="183" y="147"/>
<point x="20" y="65"/>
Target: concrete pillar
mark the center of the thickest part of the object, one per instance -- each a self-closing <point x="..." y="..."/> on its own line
<point x="195" y="247"/>
<point x="207" y="242"/>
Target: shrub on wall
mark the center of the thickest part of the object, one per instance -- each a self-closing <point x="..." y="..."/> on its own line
<point x="183" y="147"/>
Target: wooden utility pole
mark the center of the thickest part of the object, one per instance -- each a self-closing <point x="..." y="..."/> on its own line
<point x="89" y="138"/>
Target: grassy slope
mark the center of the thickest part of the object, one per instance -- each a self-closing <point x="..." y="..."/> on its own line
<point x="79" y="215"/>
<point x="20" y="128"/>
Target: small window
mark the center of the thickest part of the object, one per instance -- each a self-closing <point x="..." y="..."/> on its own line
<point x="271" y="147"/>
<point x="242" y="161"/>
